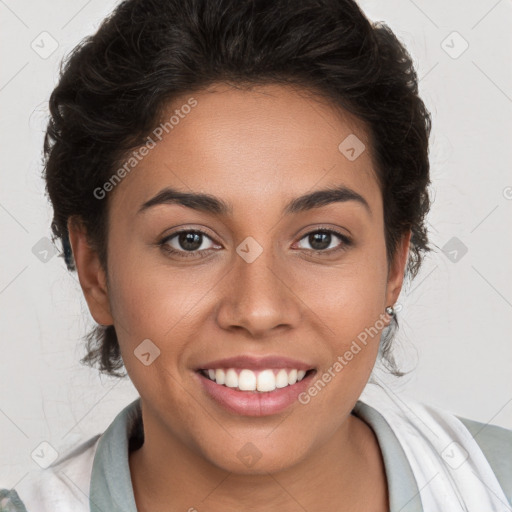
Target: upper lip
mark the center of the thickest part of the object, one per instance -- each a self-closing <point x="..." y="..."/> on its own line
<point x="256" y="363"/>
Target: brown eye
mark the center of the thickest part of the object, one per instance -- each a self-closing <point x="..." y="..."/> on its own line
<point x="187" y="243"/>
<point x="324" y="241"/>
<point x="190" y="241"/>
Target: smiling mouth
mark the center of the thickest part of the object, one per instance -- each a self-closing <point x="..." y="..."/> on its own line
<point x="259" y="381"/>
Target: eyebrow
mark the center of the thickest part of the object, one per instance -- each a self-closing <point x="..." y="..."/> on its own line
<point x="212" y="204"/>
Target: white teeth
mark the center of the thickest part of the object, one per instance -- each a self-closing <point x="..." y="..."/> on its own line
<point x="220" y="376"/>
<point x="266" y="380"/>
<point x="247" y="380"/>
<point x="281" y="379"/>
<point x="231" y="379"/>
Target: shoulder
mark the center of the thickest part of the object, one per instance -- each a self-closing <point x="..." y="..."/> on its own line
<point x="10" y="501"/>
<point x="61" y="487"/>
<point x="496" y="444"/>
<point x="488" y="446"/>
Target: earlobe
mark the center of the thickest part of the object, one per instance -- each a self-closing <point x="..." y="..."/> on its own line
<point x="397" y="270"/>
<point x="90" y="273"/>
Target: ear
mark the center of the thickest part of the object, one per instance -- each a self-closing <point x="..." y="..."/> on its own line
<point x="90" y="273"/>
<point x="397" y="269"/>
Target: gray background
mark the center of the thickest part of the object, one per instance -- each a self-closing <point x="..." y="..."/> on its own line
<point x="455" y="318"/>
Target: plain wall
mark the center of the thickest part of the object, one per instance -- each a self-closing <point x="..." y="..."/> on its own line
<point x="456" y="316"/>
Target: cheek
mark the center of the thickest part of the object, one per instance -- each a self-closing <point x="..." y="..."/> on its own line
<point x="145" y="296"/>
<point x="150" y="304"/>
<point x="157" y="301"/>
<point x="350" y="302"/>
<point x="349" y="296"/>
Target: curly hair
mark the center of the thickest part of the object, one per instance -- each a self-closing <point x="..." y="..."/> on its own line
<point x="114" y="85"/>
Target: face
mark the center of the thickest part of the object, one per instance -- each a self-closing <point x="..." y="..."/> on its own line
<point x="261" y="278"/>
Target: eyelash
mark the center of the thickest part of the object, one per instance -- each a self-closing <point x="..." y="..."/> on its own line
<point x="347" y="242"/>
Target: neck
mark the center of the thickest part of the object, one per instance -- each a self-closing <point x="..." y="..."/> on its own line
<point x="348" y="469"/>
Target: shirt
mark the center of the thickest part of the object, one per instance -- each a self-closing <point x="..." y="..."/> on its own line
<point x="96" y="476"/>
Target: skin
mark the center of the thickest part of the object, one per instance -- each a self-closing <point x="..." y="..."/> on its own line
<point x="256" y="149"/>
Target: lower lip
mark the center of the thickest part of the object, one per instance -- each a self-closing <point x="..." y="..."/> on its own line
<point x="254" y="403"/>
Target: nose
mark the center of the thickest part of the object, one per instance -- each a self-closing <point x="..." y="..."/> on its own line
<point x="259" y="296"/>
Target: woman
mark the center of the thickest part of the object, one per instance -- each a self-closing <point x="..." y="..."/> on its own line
<point x="242" y="189"/>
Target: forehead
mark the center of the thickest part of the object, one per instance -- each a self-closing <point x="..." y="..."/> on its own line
<point x="262" y="144"/>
